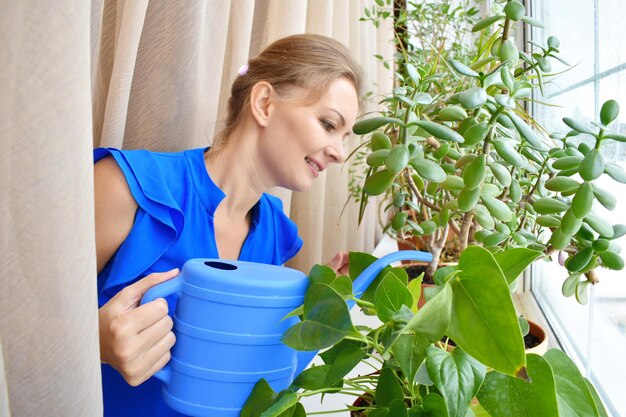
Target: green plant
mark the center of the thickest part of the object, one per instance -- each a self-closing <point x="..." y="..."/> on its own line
<point x="413" y="374"/>
<point x="455" y="150"/>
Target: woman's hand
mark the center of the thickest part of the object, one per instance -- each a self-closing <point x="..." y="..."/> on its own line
<point x="136" y="340"/>
<point x="340" y="263"/>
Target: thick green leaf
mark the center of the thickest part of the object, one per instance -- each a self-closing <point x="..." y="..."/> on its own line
<point x="578" y="126"/>
<point x="363" y="127"/>
<point x="514" y="261"/>
<point x="583" y="200"/>
<point x="484" y="218"/>
<point x="527" y="133"/>
<point x="397" y="159"/>
<point x="473" y="98"/>
<point x="612" y="260"/>
<point x="615" y="136"/>
<point x="548" y="221"/>
<point x="377" y="158"/>
<point x="457" y="376"/>
<point x="428" y="169"/>
<point x="549" y="205"/>
<point x="505" y="396"/>
<point x="388" y="388"/>
<point x="390" y="295"/>
<point x="378" y="182"/>
<point x="498" y="209"/>
<point x="567" y="162"/>
<point x="486" y="22"/>
<point x="616" y="172"/>
<point x="462" y="68"/>
<point x="475" y="134"/>
<point x="432" y="320"/>
<point x="532" y="21"/>
<point x="514" y="10"/>
<point x="600" y="225"/>
<point x="326" y="320"/>
<point x="508" y="153"/>
<point x="562" y="184"/>
<point x="570" y="223"/>
<point x="592" y="166"/>
<point x="609" y="112"/>
<point x="474" y="172"/>
<point x="440" y="131"/>
<point x="573" y="396"/>
<point x="410" y="351"/>
<point x="508" y="53"/>
<point x="578" y="261"/>
<point x="452" y="114"/>
<point x="484" y="322"/>
<point x="380" y="141"/>
<point x="515" y="191"/>
<point x="468" y="199"/>
<point x="260" y="399"/>
<point x="605" y="198"/>
<point x="501" y="173"/>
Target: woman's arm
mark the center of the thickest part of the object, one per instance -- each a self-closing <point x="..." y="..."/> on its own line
<point x="115" y="209"/>
<point x="135" y="340"/>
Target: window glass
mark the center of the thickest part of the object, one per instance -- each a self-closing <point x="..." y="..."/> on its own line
<point x="592" y="39"/>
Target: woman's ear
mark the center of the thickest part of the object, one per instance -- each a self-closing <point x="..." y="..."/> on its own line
<point x="261" y="102"/>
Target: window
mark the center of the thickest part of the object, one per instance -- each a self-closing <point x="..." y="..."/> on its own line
<point x="593" y="43"/>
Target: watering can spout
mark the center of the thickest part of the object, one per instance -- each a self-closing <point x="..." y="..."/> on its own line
<point x="361" y="283"/>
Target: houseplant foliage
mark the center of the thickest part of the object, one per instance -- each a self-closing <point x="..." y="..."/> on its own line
<point x="455" y="151"/>
<point x="413" y="374"/>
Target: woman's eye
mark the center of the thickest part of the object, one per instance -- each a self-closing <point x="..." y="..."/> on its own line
<point x="327" y="125"/>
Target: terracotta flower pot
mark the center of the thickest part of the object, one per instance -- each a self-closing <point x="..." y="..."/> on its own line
<point x="537" y="338"/>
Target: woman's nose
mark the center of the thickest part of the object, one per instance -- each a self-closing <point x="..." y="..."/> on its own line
<point x="336" y="152"/>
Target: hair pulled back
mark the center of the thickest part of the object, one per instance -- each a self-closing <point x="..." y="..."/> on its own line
<point x="312" y="62"/>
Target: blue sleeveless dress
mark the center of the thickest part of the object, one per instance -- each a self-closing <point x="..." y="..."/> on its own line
<point x="173" y="223"/>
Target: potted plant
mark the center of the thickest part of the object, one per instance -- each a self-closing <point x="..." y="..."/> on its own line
<point x="455" y="151"/>
<point x="413" y="374"/>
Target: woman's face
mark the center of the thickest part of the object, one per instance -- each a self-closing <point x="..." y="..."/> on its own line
<point x="302" y="138"/>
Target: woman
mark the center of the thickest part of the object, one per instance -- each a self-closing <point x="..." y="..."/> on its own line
<point x="289" y="111"/>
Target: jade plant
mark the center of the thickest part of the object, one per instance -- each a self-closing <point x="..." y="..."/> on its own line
<point x="414" y="372"/>
<point x="455" y="151"/>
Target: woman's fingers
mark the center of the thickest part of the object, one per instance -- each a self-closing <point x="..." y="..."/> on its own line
<point x="133" y="338"/>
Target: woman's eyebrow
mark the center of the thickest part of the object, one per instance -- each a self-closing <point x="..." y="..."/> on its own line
<point x="343" y="121"/>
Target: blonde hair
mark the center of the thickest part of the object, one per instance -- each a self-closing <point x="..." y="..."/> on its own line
<point x="312" y="62"/>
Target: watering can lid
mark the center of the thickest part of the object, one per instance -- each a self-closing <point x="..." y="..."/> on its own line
<point x="245" y="278"/>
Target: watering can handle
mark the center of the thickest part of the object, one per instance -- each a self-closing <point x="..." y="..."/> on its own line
<point x="173" y="286"/>
<point x="361" y="283"/>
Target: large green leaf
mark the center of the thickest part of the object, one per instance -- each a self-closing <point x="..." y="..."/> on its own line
<point x="433" y="406"/>
<point x="432" y="320"/>
<point x="514" y="261"/>
<point x="410" y="351"/>
<point x="390" y="295"/>
<point x="260" y="399"/>
<point x="484" y="322"/>
<point x="457" y="376"/>
<point x="388" y="388"/>
<point x="573" y="396"/>
<point x="505" y="396"/>
<point x="342" y="357"/>
<point x="326" y="320"/>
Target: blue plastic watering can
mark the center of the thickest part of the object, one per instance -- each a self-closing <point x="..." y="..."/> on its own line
<point x="228" y="324"/>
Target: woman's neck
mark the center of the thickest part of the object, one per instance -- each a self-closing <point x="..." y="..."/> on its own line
<point x="233" y="168"/>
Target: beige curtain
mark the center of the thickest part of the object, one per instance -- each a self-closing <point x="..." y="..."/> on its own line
<point x="129" y="74"/>
<point x="48" y="308"/>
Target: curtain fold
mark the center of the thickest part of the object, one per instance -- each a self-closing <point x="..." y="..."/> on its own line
<point x="48" y="317"/>
<point x="128" y="74"/>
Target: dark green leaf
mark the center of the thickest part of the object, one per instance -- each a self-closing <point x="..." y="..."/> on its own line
<point x="457" y="376"/>
<point x="363" y="127"/>
<point x="514" y="261"/>
<point x="484" y="322"/>
<point x="502" y="395"/>
<point x="440" y="131"/>
<point x="260" y="399"/>
<point x="390" y="295"/>
<point x="388" y="388"/>
<point x="410" y="351"/>
<point x="592" y="166"/>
